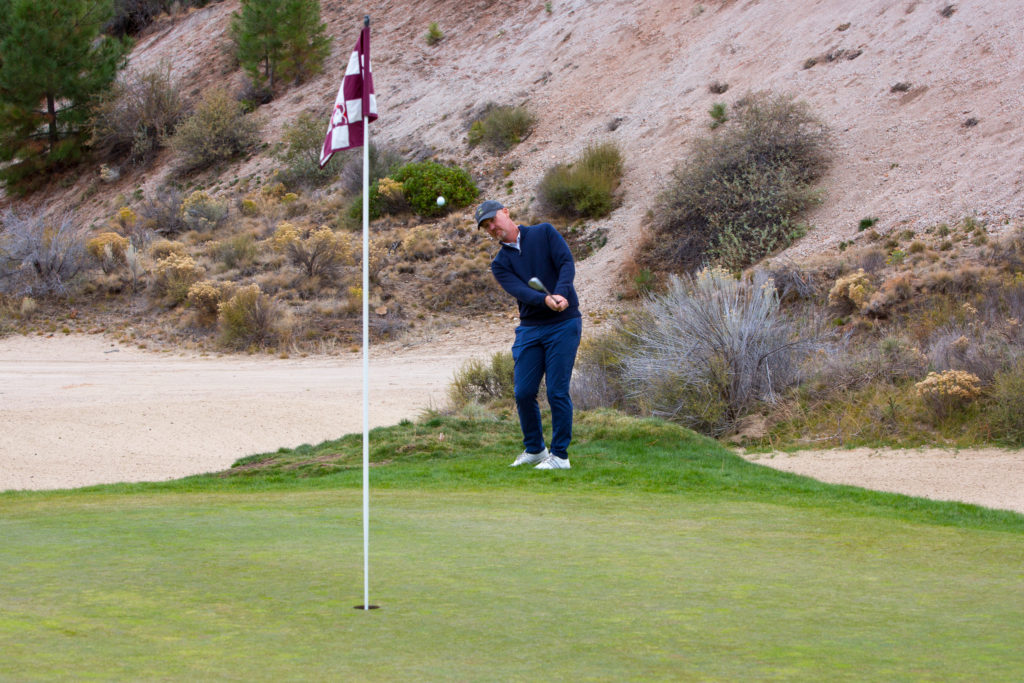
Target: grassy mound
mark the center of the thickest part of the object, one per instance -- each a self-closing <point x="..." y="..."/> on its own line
<point x="659" y="556"/>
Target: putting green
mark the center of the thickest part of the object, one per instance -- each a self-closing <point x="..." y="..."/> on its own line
<point x="496" y="585"/>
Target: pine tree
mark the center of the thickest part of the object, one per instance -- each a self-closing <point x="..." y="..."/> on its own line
<point x="277" y="40"/>
<point x="305" y="44"/>
<point x="54" y="62"/>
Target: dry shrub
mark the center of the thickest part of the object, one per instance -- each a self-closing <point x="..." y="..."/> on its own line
<point x="711" y="348"/>
<point x="853" y="364"/>
<point x="501" y="127"/>
<point x="893" y="291"/>
<point x="737" y="196"/>
<point x="463" y="282"/>
<point x="161" y="249"/>
<point x="481" y="382"/>
<point x="318" y="252"/>
<point x="218" y="130"/>
<point x="174" y="275"/>
<point x="238" y="251"/>
<point x="947" y="391"/>
<point x="851" y="291"/>
<point x="251" y="318"/>
<point x="108" y="250"/>
<point x="38" y="254"/>
<point x="203" y="213"/>
<point x="205" y="298"/>
<point x="871" y="260"/>
<point x="965" y="279"/>
<point x="420" y="244"/>
<point x="139" y="114"/>
<point x="161" y="213"/>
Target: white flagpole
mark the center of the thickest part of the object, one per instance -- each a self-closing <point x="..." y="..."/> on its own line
<point x="366" y="353"/>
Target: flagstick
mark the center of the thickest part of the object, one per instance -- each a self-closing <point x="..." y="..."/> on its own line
<point x="366" y="359"/>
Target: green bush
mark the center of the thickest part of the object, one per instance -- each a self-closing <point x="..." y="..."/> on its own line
<point x="480" y="382"/>
<point x="587" y="187"/>
<point x="434" y="34"/>
<point x="737" y="197"/>
<point x="218" y="130"/>
<point x="501" y="127"/>
<point x="421" y="184"/>
<point x="301" y="143"/>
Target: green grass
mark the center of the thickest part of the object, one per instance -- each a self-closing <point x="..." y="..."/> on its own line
<point x="660" y="556"/>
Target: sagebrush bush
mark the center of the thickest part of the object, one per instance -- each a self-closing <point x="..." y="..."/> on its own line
<point x="218" y="130"/>
<point x="478" y="381"/>
<point x="597" y="380"/>
<point x="501" y="127"/>
<point x="139" y="114"/>
<point x="238" y="251"/>
<point x="203" y="213"/>
<point x="737" y="196"/>
<point x="38" y="254"/>
<point x="585" y="188"/>
<point x="711" y="347"/>
<point x="250" y="318"/>
<point x="318" y="252"/>
<point x="161" y="213"/>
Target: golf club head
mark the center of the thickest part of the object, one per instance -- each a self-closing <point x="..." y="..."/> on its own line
<point x="538" y="285"/>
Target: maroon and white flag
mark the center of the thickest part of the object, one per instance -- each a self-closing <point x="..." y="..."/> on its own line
<point x="355" y="96"/>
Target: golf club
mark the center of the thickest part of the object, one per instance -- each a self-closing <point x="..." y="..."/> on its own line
<point x="538" y="285"/>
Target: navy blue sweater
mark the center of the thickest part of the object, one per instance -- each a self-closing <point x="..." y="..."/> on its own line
<point x="543" y="253"/>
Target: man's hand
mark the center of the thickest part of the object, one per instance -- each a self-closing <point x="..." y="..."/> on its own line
<point x="556" y="302"/>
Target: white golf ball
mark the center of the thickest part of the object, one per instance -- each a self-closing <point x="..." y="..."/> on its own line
<point x="440" y="201"/>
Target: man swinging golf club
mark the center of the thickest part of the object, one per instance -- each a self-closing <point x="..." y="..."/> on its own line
<point x="535" y="266"/>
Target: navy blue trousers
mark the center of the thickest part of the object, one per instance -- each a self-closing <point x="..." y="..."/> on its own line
<point x="547" y="351"/>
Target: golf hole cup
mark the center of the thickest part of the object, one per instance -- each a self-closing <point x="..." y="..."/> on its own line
<point x="440" y="201"/>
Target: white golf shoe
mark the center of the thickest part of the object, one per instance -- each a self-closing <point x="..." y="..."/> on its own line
<point x="530" y="458"/>
<point x="553" y="462"/>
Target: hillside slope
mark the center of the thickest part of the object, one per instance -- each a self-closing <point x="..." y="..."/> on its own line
<point x="950" y="143"/>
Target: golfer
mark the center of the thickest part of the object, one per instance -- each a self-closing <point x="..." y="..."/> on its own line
<point x="549" y="328"/>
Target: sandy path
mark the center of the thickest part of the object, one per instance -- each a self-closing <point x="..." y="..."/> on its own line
<point x="79" y="410"/>
<point x="986" y="476"/>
